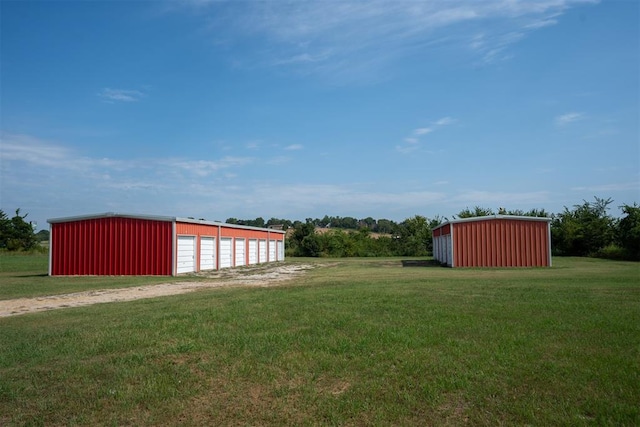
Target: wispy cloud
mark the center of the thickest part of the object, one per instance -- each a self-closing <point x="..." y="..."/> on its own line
<point x="362" y="36"/>
<point x="565" y="119"/>
<point x="120" y="95"/>
<point x="493" y="198"/>
<point x="203" y="168"/>
<point x="411" y="142"/>
<point x="294" y="147"/>
<point x="619" y="186"/>
<point x="422" y="131"/>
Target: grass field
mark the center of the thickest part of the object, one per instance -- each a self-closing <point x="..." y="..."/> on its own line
<point x="354" y="342"/>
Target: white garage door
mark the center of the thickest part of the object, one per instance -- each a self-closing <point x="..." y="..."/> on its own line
<point x="207" y="253"/>
<point x="253" y="251"/>
<point x="186" y="254"/>
<point x="272" y="250"/>
<point x="262" y="250"/>
<point x="241" y="255"/>
<point x="226" y="254"/>
<point x="280" y="250"/>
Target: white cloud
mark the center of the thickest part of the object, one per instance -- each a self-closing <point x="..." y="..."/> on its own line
<point x="120" y="95"/>
<point x="358" y="37"/>
<point x="620" y="186"/>
<point x="491" y="198"/>
<point x="444" y="121"/>
<point x="412" y="142"/>
<point x="205" y="168"/>
<point x="405" y="149"/>
<point x="567" y="118"/>
<point x="422" y="131"/>
<point x="294" y="147"/>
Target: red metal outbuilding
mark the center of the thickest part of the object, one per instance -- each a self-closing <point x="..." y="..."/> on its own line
<point x="494" y="241"/>
<point x="122" y="244"/>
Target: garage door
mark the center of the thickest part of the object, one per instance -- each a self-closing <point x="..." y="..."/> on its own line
<point x="241" y="255"/>
<point x="186" y="254"/>
<point x="253" y="251"/>
<point x="272" y="250"/>
<point x="280" y="250"/>
<point x="262" y="251"/>
<point x="207" y="253"/>
<point x="226" y="254"/>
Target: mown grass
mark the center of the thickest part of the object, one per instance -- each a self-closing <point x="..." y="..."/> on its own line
<point x="354" y="342"/>
<point x="25" y="275"/>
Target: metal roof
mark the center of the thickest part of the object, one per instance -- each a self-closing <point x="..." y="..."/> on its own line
<point x="490" y="217"/>
<point x="156" y="218"/>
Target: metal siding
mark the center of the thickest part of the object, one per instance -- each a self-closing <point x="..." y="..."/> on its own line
<point x="186" y="255"/>
<point x="207" y="253"/>
<point x="226" y="252"/>
<point x="272" y="250"/>
<point x="280" y="245"/>
<point x="262" y="251"/>
<point x="501" y="243"/>
<point x="114" y="244"/>
<point x="241" y="254"/>
<point x="253" y="251"/>
<point x="111" y="246"/>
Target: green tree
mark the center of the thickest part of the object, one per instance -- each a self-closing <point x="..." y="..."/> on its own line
<point x="16" y="233"/>
<point x="413" y="237"/>
<point x="583" y="230"/>
<point x="477" y="211"/>
<point x="629" y="231"/>
<point x="42" y="236"/>
<point x="297" y="243"/>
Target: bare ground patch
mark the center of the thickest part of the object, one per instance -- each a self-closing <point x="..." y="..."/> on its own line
<point x="257" y="276"/>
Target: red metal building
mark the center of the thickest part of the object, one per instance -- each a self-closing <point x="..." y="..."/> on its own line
<point x="122" y="244"/>
<point x="494" y="241"/>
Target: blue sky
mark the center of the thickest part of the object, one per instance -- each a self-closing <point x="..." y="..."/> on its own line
<point x="219" y="109"/>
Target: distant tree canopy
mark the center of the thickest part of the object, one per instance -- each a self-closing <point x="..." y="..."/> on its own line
<point x="16" y="233"/>
<point x="629" y="231"/>
<point x="589" y="230"/>
<point x="584" y="230"/>
<point x="42" y="236"/>
<point x="481" y="211"/>
<point x="260" y="222"/>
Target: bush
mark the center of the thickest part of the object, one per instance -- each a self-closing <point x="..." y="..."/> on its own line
<point x="613" y="252"/>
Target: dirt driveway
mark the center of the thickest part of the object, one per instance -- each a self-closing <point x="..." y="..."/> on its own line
<point x="258" y="276"/>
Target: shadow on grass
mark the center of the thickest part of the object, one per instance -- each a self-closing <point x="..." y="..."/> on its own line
<point x="420" y="263"/>
<point x="30" y="275"/>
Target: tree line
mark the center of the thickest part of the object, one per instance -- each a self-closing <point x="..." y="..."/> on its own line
<point x="586" y="229"/>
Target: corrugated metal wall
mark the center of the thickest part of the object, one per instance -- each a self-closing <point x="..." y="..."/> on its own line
<point x="226" y="231"/>
<point x="501" y="243"/>
<point x="111" y="246"/>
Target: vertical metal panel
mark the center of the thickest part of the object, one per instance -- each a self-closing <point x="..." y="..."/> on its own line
<point x="207" y="253"/>
<point x="262" y="250"/>
<point x="501" y="243"/>
<point x="272" y="251"/>
<point x="253" y="251"/>
<point x="226" y="252"/>
<point x="237" y="234"/>
<point x="186" y="255"/>
<point x="241" y="254"/>
<point x="280" y="245"/>
<point x="111" y="246"/>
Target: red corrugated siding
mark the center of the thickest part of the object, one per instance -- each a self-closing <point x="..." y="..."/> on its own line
<point x="446" y="229"/>
<point x="111" y="246"/>
<point x="199" y="230"/>
<point x="501" y="243"/>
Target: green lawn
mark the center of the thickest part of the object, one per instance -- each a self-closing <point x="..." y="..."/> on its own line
<point x="26" y="276"/>
<point x="354" y="342"/>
